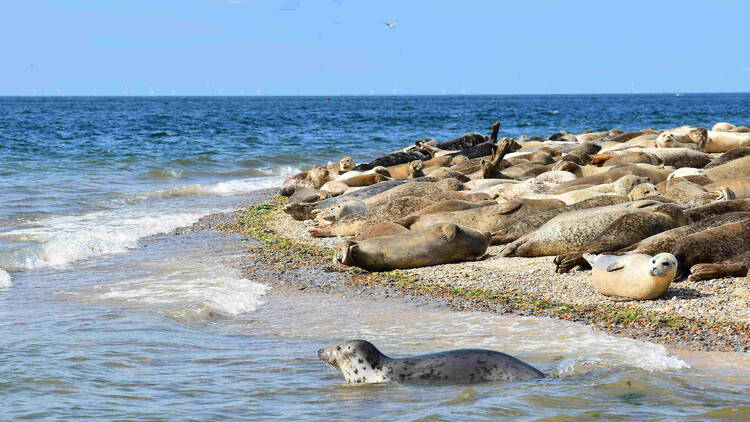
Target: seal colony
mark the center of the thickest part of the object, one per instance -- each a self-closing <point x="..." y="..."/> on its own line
<point x="575" y="197"/>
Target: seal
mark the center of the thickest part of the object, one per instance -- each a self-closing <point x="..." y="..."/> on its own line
<point x="491" y="219"/>
<point x="353" y="224"/>
<point x="394" y="158"/>
<point x="730" y="170"/>
<point x="713" y="245"/>
<point x="449" y="205"/>
<point x="686" y="171"/>
<point x="705" y="211"/>
<point x="726" y="141"/>
<point x="434" y="245"/>
<point x="632" y="276"/>
<point x="570" y="231"/>
<point x="303" y="210"/>
<point x="370" y="177"/>
<point x="345" y="164"/>
<point x="643" y="191"/>
<point x="632" y="157"/>
<point x="625" y="231"/>
<point x="440" y="173"/>
<point x="348" y="207"/>
<point x="733" y="267"/>
<point x="305" y="195"/>
<point x="382" y="229"/>
<point x="532" y="222"/>
<point x="740" y="187"/>
<point x="361" y="362"/>
<point x="414" y="189"/>
<point x="656" y="174"/>
<point x="334" y="188"/>
<point x="314" y="178"/>
<point x="666" y="241"/>
<point x="727" y="157"/>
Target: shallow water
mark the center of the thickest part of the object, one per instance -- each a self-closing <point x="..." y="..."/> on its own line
<point x="103" y="316"/>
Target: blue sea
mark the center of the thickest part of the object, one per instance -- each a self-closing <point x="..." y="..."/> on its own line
<point x="106" y="314"/>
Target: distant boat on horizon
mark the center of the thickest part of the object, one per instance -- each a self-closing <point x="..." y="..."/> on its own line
<point x="679" y="94"/>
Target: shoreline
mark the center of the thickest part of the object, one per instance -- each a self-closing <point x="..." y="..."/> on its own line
<point x="687" y="317"/>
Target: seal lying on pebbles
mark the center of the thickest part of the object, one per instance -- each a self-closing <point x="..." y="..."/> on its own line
<point x="449" y="205"/>
<point x="532" y="222"/>
<point x="305" y="195"/>
<point x="570" y="231"/>
<point x="434" y="245"/>
<point x="712" y="245"/>
<point x="632" y="276"/>
<point x="303" y="211"/>
<point x="360" y="362"/>
<point x="414" y="189"/>
<point x="492" y="218"/>
<point x="314" y="178"/>
<point x="370" y="177"/>
<point x="394" y="158"/>
<point x="725" y="141"/>
<point x="342" y="209"/>
<point x="730" y="170"/>
<point x="666" y="241"/>
<point x="357" y="223"/>
<point x="733" y="267"/>
<point x="728" y="156"/>
<point x="625" y="231"/>
<point x="656" y="174"/>
<point x="382" y="229"/>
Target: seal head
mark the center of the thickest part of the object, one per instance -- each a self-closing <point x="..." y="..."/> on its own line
<point x="663" y="264"/>
<point x="359" y="361"/>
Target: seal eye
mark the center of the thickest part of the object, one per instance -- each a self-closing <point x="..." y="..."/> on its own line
<point x="338" y="347"/>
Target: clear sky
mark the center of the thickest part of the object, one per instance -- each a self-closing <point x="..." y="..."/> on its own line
<point x="330" y="47"/>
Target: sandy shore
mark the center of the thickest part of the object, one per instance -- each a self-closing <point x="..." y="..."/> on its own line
<point x="705" y="315"/>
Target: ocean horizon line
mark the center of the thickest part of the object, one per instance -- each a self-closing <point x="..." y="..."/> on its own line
<point x="672" y="93"/>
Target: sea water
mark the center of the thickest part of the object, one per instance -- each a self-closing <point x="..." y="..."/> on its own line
<point x="106" y="314"/>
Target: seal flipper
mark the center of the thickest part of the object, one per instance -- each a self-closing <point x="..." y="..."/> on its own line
<point x="567" y="262"/>
<point x="449" y="231"/>
<point x="615" y="266"/>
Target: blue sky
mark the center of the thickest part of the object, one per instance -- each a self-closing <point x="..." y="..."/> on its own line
<point x="331" y="47"/>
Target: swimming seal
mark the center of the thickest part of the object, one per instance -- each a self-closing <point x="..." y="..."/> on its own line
<point x="632" y="276"/>
<point x="361" y="362"/>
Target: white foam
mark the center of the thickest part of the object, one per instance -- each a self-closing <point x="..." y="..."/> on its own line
<point x="4" y="279"/>
<point x="191" y="292"/>
<point x="58" y="241"/>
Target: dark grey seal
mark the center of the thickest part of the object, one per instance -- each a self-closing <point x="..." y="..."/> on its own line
<point x="361" y="362"/>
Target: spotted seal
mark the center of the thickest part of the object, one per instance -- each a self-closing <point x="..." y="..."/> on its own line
<point x="361" y="362"/>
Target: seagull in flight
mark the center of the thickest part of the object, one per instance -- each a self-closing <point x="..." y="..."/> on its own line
<point x="390" y="25"/>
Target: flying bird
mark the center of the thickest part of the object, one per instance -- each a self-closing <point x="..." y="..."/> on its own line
<point x="390" y="25"/>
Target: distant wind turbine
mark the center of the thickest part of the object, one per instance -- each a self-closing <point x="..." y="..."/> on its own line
<point x="390" y="25"/>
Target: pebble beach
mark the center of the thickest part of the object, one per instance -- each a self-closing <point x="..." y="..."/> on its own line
<point x="708" y="315"/>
